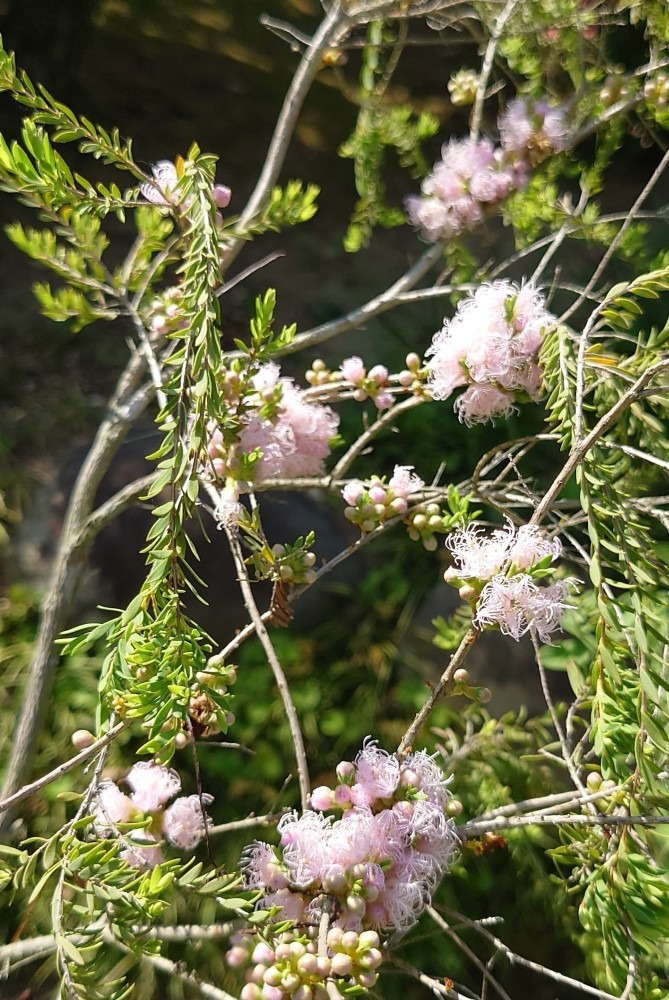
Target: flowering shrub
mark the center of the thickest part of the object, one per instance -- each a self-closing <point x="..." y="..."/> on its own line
<point x="579" y="563"/>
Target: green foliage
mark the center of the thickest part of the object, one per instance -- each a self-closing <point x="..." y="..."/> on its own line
<point x="629" y="569"/>
<point x="381" y="126"/>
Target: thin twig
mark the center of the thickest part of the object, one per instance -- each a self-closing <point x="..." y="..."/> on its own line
<point x="65" y="768"/>
<point x="438" y="690"/>
<point x="273" y="660"/>
<point x="600" y="428"/>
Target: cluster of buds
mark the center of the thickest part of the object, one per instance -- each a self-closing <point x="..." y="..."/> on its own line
<point x="424" y="523"/>
<point x="294" y="564"/>
<point x="656" y="90"/>
<point x="474" y="175"/>
<point x="166" y="313"/>
<point x="462" y="86"/>
<point x="376" y="383"/>
<point x="375" y="502"/>
<point x="375" y="867"/>
<point x="144" y="819"/>
<point x="209" y="702"/>
<point x="372" y="384"/>
<point x="497" y="574"/>
<point x="617" y="87"/>
<point x="296" y="964"/>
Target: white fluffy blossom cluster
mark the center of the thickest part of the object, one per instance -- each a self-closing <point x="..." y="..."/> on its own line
<point x="492" y="346"/>
<point x="499" y="573"/>
<point x="182" y="823"/>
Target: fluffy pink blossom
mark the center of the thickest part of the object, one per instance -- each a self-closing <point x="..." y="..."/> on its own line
<point x="491" y="345"/>
<point x="304" y="843"/>
<point x="138" y="852"/>
<point x="378" y="773"/>
<point x="481" y="403"/>
<point x="293" y="442"/>
<point x="152" y="785"/>
<point x="112" y="807"/>
<point x="353" y="369"/>
<point x="517" y="605"/>
<point x="471" y="174"/>
<point x="404" y="482"/>
<point x="184" y="821"/>
<point x="162" y="190"/>
<point x="381" y="860"/>
<point x="533" y="129"/>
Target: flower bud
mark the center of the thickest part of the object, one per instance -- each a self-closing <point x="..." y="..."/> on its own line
<point x="82" y="738"/>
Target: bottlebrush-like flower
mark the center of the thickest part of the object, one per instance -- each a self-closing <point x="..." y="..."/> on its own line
<point x="494" y="569"/>
<point x="481" y="556"/>
<point x="491" y="345"/>
<point x="182" y="823"/>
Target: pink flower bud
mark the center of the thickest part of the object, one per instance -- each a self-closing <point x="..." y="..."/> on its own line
<point x="322" y="798"/>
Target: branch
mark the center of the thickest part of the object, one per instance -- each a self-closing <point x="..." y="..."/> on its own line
<point x="65" y="768"/>
<point x="273" y="660"/>
<point x="309" y="66"/>
<point x="125" y="405"/>
<point x="475" y="829"/>
<point x="635" y="392"/>
<point x="438" y="690"/>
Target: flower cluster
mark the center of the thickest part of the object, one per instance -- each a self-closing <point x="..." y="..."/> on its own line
<point x="163" y="189"/>
<point x="497" y="573"/>
<point x="282" y="435"/>
<point x="376" y="502"/>
<point x="491" y="345"/>
<point x="531" y="130"/>
<point x="473" y="175"/>
<point x="367" y="384"/>
<point x="182" y="823"/>
<point x="380" y="861"/>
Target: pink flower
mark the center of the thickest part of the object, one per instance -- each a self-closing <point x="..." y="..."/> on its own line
<point x="378" y="772"/>
<point x="304" y="842"/>
<point x="427" y="777"/>
<point x="293" y="442"/>
<point x="492" y="345"/>
<point x="531" y="546"/>
<point x="112" y="807"/>
<point x="533" y="129"/>
<point x="152" y="785"/>
<point x="137" y="850"/>
<point x="470" y="175"/>
<point x="479" y="556"/>
<point x="517" y="605"/>
<point x="262" y="868"/>
<point x="481" y="403"/>
<point x="161" y="190"/>
<point x="353" y="370"/>
<point x="184" y="821"/>
<point x="404" y="482"/>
